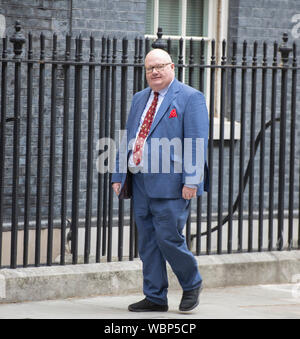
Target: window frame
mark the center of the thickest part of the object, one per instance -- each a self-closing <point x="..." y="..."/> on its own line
<point x="183" y="27"/>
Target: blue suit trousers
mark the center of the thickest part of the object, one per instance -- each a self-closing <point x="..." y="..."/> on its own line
<point x="160" y="225"/>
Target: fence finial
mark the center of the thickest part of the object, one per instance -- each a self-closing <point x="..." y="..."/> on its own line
<point x="285" y="50"/>
<point x="18" y="40"/>
<point x="159" y="43"/>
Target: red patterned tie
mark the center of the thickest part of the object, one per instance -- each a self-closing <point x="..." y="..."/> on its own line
<point x="144" y="131"/>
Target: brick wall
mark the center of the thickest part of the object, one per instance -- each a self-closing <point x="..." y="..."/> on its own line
<point x="262" y="20"/>
<point x="37" y="16"/>
<point x="112" y="18"/>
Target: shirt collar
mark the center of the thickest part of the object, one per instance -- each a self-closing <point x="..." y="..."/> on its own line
<point x="164" y="91"/>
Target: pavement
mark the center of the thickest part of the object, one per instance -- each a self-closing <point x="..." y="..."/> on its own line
<point x="278" y="301"/>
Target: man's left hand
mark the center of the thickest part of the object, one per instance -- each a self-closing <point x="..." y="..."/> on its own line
<point x="189" y="193"/>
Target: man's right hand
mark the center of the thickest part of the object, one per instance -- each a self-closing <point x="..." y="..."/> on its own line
<point x="116" y="187"/>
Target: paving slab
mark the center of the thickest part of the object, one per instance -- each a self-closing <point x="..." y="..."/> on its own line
<point x="240" y="302"/>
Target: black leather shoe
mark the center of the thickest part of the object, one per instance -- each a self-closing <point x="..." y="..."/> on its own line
<point x="190" y="299"/>
<point x="147" y="306"/>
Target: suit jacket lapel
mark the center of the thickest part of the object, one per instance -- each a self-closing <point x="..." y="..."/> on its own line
<point x="171" y="94"/>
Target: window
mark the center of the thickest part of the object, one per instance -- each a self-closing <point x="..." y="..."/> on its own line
<point x="179" y="19"/>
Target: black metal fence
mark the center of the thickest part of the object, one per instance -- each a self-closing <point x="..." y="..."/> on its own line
<point x="54" y="109"/>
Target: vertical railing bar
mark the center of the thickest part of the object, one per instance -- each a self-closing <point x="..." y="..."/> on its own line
<point x="28" y="152"/>
<point x="65" y="154"/>
<point x="123" y="110"/>
<point x="231" y="150"/>
<point x="262" y="150"/>
<point x="18" y="40"/>
<point x="191" y="63"/>
<point x="132" y="225"/>
<point x="191" y="79"/>
<point x="272" y="148"/>
<point x="90" y="163"/>
<point x="76" y="150"/>
<point x="169" y="44"/>
<point x="211" y="145"/>
<point x="188" y="228"/>
<point x="16" y="163"/>
<point x="282" y="148"/>
<point x="40" y="152"/>
<point x="52" y="153"/>
<point x="3" y="137"/>
<point x="180" y="60"/>
<point x="202" y="69"/>
<point x="221" y="149"/>
<point x="106" y="133"/>
<point x="135" y="67"/>
<point x="131" y="233"/>
<point x="112" y="137"/>
<point x="252" y="148"/>
<point x="147" y="50"/>
<point x="198" y="225"/>
<point x="242" y="147"/>
<point x="140" y="73"/>
<point x="101" y="135"/>
<point x="199" y="199"/>
<point x="292" y="148"/>
<point x="141" y="66"/>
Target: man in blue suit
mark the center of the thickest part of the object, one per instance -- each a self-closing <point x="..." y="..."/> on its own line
<point x="164" y="156"/>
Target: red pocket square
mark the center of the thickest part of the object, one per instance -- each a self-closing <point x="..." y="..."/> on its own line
<point x="173" y="114"/>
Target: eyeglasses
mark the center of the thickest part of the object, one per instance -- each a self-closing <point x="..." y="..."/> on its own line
<point x="159" y="67"/>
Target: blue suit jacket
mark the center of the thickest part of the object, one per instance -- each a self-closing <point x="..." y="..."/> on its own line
<point x="190" y="123"/>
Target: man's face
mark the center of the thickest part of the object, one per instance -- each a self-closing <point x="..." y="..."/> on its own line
<point x="159" y="70"/>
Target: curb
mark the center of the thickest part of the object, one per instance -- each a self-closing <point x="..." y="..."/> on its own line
<point x="119" y="278"/>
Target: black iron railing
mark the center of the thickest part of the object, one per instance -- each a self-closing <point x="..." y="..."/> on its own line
<point x="54" y="109"/>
